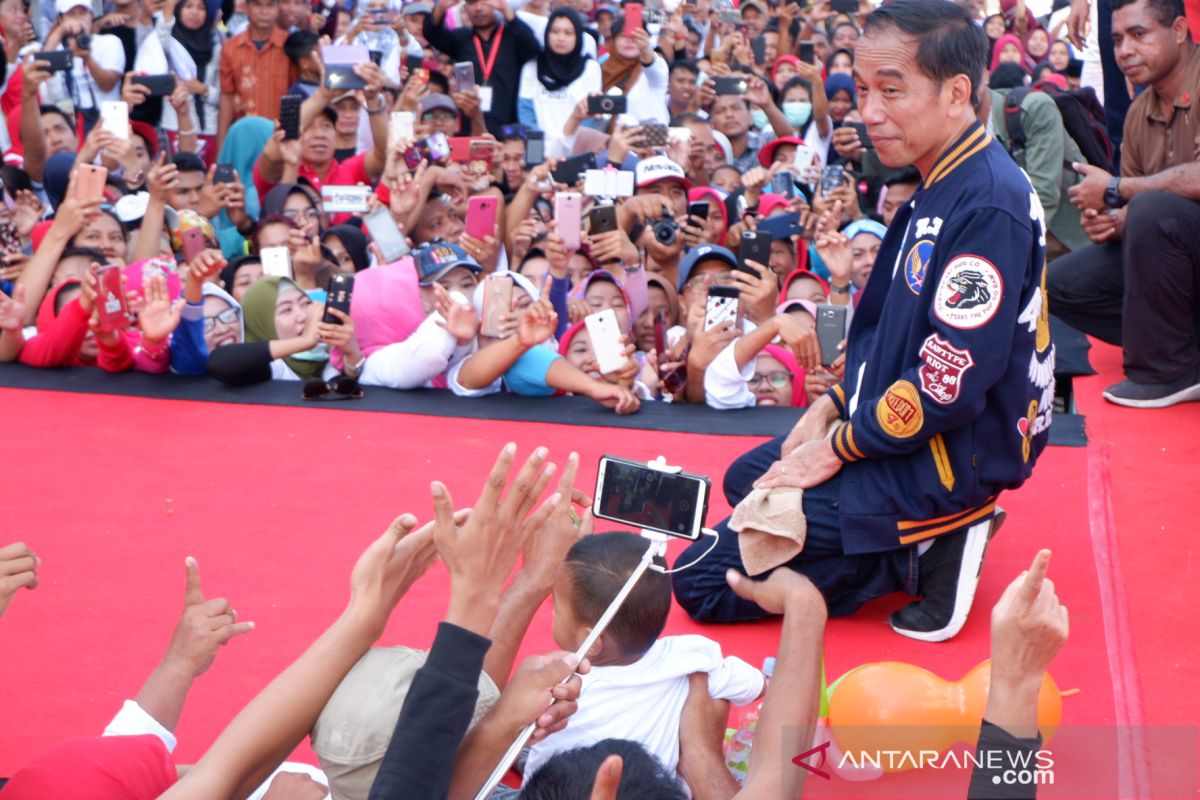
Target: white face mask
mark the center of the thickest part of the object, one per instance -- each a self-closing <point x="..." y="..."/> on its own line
<point x="798" y="113"/>
<point x="759" y="119"/>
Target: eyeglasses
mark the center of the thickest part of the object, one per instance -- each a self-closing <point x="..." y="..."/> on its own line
<point x="295" y="215"/>
<point x="343" y="387"/>
<point x="229" y="316"/>
<point x="776" y="380"/>
<point x="709" y="279"/>
<point x="440" y="116"/>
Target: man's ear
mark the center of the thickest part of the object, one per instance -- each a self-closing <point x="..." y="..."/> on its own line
<point x="596" y="647"/>
<point x="1180" y="30"/>
<point x="960" y="94"/>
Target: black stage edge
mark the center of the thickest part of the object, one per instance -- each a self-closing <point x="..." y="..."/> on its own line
<point x="1067" y="429"/>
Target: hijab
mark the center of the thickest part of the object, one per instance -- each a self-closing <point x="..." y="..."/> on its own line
<point x="243" y="143"/>
<point x="616" y="70"/>
<point x="657" y="280"/>
<point x="556" y="71"/>
<point x="355" y="242"/>
<point x="1007" y="39"/>
<point x="580" y="291"/>
<point x="785" y="356"/>
<point x="258" y="314"/>
<point x="839" y="82"/>
<point x="386" y="305"/>
<point x="198" y="42"/>
<point x="275" y="200"/>
<point x="210" y="289"/>
<point x="716" y="203"/>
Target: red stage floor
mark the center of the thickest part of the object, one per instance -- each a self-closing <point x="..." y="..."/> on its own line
<point x="276" y="503"/>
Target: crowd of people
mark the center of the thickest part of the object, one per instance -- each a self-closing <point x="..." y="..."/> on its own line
<point x="651" y="202"/>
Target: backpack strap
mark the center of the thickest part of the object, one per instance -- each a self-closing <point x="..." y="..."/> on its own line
<point x="1012" y="118"/>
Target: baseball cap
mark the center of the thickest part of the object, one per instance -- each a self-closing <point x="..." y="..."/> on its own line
<point x="659" y="168"/>
<point x="437" y="258"/>
<point x="767" y="155"/>
<point x="63" y="6"/>
<point x="762" y="9"/>
<point x="416" y="8"/>
<point x="700" y="253"/>
<point x="431" y="102"/>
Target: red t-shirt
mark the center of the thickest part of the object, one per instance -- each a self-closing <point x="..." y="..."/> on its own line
<point x="351" y="172"/>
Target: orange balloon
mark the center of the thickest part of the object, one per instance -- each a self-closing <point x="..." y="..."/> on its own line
<point x="896" y="714"/>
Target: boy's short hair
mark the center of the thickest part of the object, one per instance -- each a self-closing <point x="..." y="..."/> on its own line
<point x="599" y="566"/>
<point x="569" y="775"/>
<point x="300" y="44"/>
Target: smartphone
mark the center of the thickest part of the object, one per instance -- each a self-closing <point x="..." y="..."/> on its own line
<point x="276" y="262"/>
<point x="608" y="183"/>
<point x="111" y="306"/>
<point x="831" y="330"/>
<point x="481" y="156"/>
<point x="159" y="85"/>
<point x="460" y="148"/>
<point x="90" y="181"/>
<point x="676" y="379"/>
<point x="114" y="117"/>
<point x="699" y="209"/>
<point x="400" y="126"/>
<point x="343" y="78"/>
<point x="535" y="148"/>
<point x="755" y="246"/>
<point x="437" y="145"/>
<point x="225" y="173"/>
<point x="633" y="17"/>
<point x="783" y="183"/>
<point x="497" y="301"/>
<point x="634" y="494"/>
<point x="289" y="115"/>
<point x="680" y="134"/>
<point x="341" y="289"/>
<point x="194" y="243"/>
<point x="481" y="216"/>
<point x="808" y="52"/>
<point x="58" y="60"/>
<point x="602" y="219"/>
<point x="758" y="46"/>
<point x="728" y="85"/>
<point x="844" y="6"/>
<point x="864" y="138"/>
<point x="386" y="234"/>
<point x="729" y="17"/>
<point x="568" y="172"/>
<point x="464" y="76"/>
<point x="568" y="208"/>
<point x="723" y="306"/>
<point x="834" y="177"/>
<point x="344" y="54"/>
<point x="605" y="333"/>
<point x="345" y="199"/>
<point x="608" y="104"/>
<point x="653" y="134"/>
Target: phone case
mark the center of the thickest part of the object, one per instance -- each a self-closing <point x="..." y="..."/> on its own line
<point x="341" y="289"/>
<point x="698" y="209"/>
<point x="602" y="219"/>
<point x="608" y="104"/>
<point x="276" y="262"/>
<point x="637" y="495"/>
<point x="758" y="46"/>
<point x="481" y="216"/>
<point x="10" y="238"/>
<point x="831" y="330"/>
<point x="654" y="135"/>
<point x="342" y="78"/>
<point x="289" y="115"/>
<point x="605" y="333"/>
<point x="481" y="157"/>
<point x="344" y="54"/>
<point x="808" y="52"/>
<point x="755" y="246"/>
<point x="89" y="182"/>
<point x="401" y="126"/>
<point x="535" y="150"/>
<point x="111" y="307"/>
<point x="225" y="174"/>
<point x="386" y="234"/>
<point x="731" y="85"/>
<point x="438" y="146"/>
<point x="464" y="76"/>
<point x="497" y="300"/>
<point x="159" y="85"/>
<point x="194" y="243"/>
<point x="568" y="171"/>
<point x="59" y="60"/>
<point x="568" y="207"/>
<point x="114" y="117"/>
<point x="633" y="16"/>
<point x="722" y="306"/>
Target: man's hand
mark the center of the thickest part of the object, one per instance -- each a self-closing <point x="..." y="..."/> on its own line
<point x="708" y="344"/>
<point x="547" y="542"/>
<point x="847" y="144"/>
<point x="1089" y="193"/>
<point x="163" y="178"/>
<point x="18" y="570"/>
<point x="1079" y="23"/>
<point x="618" y="398"/>
<point x="133" y="93"/>
<point x="12" y="309"/>
<point x="608" y="778"/>
<point x="807" y="466"/>
<point x="295" y="786"/>
<point x="760" y="292"/>
<point x="801" y="340"/>
<point x="784" y="591"/>
<point x="536" y="684"/>
<point x="1100" y="226"/>
<point x="1029" y="625"/>
<point x="33" y="76"/>
<point x="203" y="628"/>
<point x="391" y="565"/>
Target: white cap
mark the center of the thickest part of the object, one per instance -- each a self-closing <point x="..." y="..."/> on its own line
<point x="659" y="168"/>
<point x="63" y="6"/>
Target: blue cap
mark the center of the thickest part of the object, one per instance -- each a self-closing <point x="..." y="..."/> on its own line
<point x="700" y="253"/>
<point x="865" y="226"/>
<point x="437" y="258"/>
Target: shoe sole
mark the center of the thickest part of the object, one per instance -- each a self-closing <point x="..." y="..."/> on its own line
<point x="1190" y="394"/>
<point x="969" y="572"/>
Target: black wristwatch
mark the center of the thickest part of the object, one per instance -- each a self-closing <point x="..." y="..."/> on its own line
<point x="1112" y="195"/>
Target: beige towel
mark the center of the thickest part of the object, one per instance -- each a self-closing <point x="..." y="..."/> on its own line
<point x="771" y="527"/>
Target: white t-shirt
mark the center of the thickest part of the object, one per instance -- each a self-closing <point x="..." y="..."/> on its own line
<point x="553" y="109"/>
<point x="642" y="702"/>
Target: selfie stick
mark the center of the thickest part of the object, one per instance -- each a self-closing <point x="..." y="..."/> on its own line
<point x="657" y="547"/>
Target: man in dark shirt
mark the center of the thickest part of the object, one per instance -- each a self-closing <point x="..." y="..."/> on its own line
<point x="497" y="43"/>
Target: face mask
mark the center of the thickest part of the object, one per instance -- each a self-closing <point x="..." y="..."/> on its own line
<point x="797" y="113"/>
<point x="758" y="118"/>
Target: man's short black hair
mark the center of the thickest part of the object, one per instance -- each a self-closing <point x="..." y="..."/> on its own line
<point x="1165" y="11"/>
<point x="949" y="42"/>
<point x="903" y="176"/>
<point x="569" y="775"/>
<point x="53" y="109"/>
<point x="684" y="64"/>
<point x="679" y="120"/>
<point x="15" y="179"/>
<point x="90" y="253"/>
<point x="599" y="565"/>
<point x="844" y="24"/>
<point x="188" y="162"/>
<point x="300" y="44"/>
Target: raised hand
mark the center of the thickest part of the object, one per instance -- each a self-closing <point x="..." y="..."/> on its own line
<point x="13" y="310"/>
<point x="18" y="570"/>
<point x="203" y="627"/>
<point x="460" y="319"/>
<point x="537" y="324"/>
<point x="391" y="565"/>
<point x="1029" y="625"/>
<point x="548" y="539"/>
<point x="160" y="317"/>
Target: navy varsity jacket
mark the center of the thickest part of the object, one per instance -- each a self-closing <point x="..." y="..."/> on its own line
<point x="949" y="381"/>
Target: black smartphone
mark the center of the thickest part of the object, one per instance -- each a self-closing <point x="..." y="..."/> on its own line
<point x="676" y="379"/>
<point x="342" y="78"/>
<point x="831" y="330"/>
<point x="640" y="496"/>
<point x="413" y="62"/>
<point x="808" y="52"/>
<point x="758" y="46"/>
<point x="602" y="219"/>
<point x="225" y="174"/>
<point x="784" y="184"/>
<point x="755" y="246"/>
<point x="864" y="138"/>
<point x="59" y="60"/>
<point x="535" y="148"/>
<point x="607" y="104"/>
<point x="844" y="6"/>
<point x="159" y="85"/>
<point x="376" y="57"/>
<point x="699" y="209"/>
<point x="341" y="289"/>
<point x="289" y="115"/>
<point x="570" y="171"/>
<point x="731" y="85"/>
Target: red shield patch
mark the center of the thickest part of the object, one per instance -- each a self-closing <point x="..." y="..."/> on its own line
<point x="942" y="369"/>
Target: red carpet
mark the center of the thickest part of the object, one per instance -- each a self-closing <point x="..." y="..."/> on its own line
<point x="276" y="503"/>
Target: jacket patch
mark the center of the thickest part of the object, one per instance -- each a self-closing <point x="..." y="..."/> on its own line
<point x="916" y="265"/>
<point x="1026" y="427"/>
<point x="899" y="411"/>
<point x="969" y="293"/>
<point x="942" y="369"/>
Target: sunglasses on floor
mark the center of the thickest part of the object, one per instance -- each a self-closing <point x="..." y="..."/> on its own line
<point x="342" y="387"/>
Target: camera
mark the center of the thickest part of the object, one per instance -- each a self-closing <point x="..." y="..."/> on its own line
<point x="665" y="229"/>
<point x="608" y="104"/>
<point x="82" y="40"/>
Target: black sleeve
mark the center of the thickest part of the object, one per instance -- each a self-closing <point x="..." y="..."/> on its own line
<point x="440" y="38"/>
<point x="528" y="45"/>
<point x="1002" y="762"/>
<point x="433" y="720"/>
<point x="241" y="364"/>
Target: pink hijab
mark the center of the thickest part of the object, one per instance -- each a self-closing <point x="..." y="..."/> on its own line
<point x="1006" y="39"/>
<point x="788" y="359"/>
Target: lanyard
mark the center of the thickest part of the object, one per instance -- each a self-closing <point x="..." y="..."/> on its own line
<point x="486" y="65"/>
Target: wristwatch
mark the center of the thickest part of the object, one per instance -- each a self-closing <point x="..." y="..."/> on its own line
<point x="833" y="287"/>
<point x="1112" y="195"/>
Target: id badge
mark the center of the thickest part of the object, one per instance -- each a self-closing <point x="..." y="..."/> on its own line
<point x="485" y="98"/>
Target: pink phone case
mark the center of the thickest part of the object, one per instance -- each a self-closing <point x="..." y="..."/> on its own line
<point x="567" y="210"/>
<point x="481" y="217"/>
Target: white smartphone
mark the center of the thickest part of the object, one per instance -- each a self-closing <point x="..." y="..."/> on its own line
<point x="722" y="306"/>
<point x="605" y="334"/>
<point x="386" y="234"/>
<point x="400" y="126"/>
<point x="114" y="117"/>
<point x="608" y="183"/>
<point x="634" y="494"/>
<point x="276" y="262"/>
<point x="345" y="199"/>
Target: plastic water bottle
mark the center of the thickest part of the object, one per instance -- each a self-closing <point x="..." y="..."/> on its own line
<point x="739" y="740"/>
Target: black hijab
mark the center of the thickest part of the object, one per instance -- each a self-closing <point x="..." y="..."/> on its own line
<point x="198" y="42"/>
<point x="558" y="72"/>
<point x="355" y="242"/>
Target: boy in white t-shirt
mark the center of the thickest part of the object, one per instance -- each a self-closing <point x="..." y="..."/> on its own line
<point x="638" y="683"/>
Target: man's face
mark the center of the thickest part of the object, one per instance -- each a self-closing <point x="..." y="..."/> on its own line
<point x="80" y="17"/>
<point x="60" y="137"/>
<point x="416" y="25"/>
<point x="754" y="21"/>
<point x="347" y="111"/>
<point x="670" y="190"/>
<point x="863" y="249"/>
<point x="682" y="86"/>
<point x="845" y="38"/>
<point x="821" y="48"/>
<point x="262" y="14"/>
<point x="274" y="235"/>
<point x="897" y="195"/>
<point x="783" y="258"/>
<point x="481" y="13"/>
<point x="316" y="143"/>
<point x="187" y="193"/>
<point x="1147" y="51"/>
<point x="292" y="13"/>
<point x="771" y="38"/>
<point x="730" y="115"/>
<point x="512" y="162"/>
<point x="438" y="221"/>
<point x="711" y="272"/>
<point x="441" y="120"/>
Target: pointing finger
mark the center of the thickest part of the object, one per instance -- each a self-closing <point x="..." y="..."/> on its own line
<point x="1032" y="585"/>
<point x="194" y="595"/>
